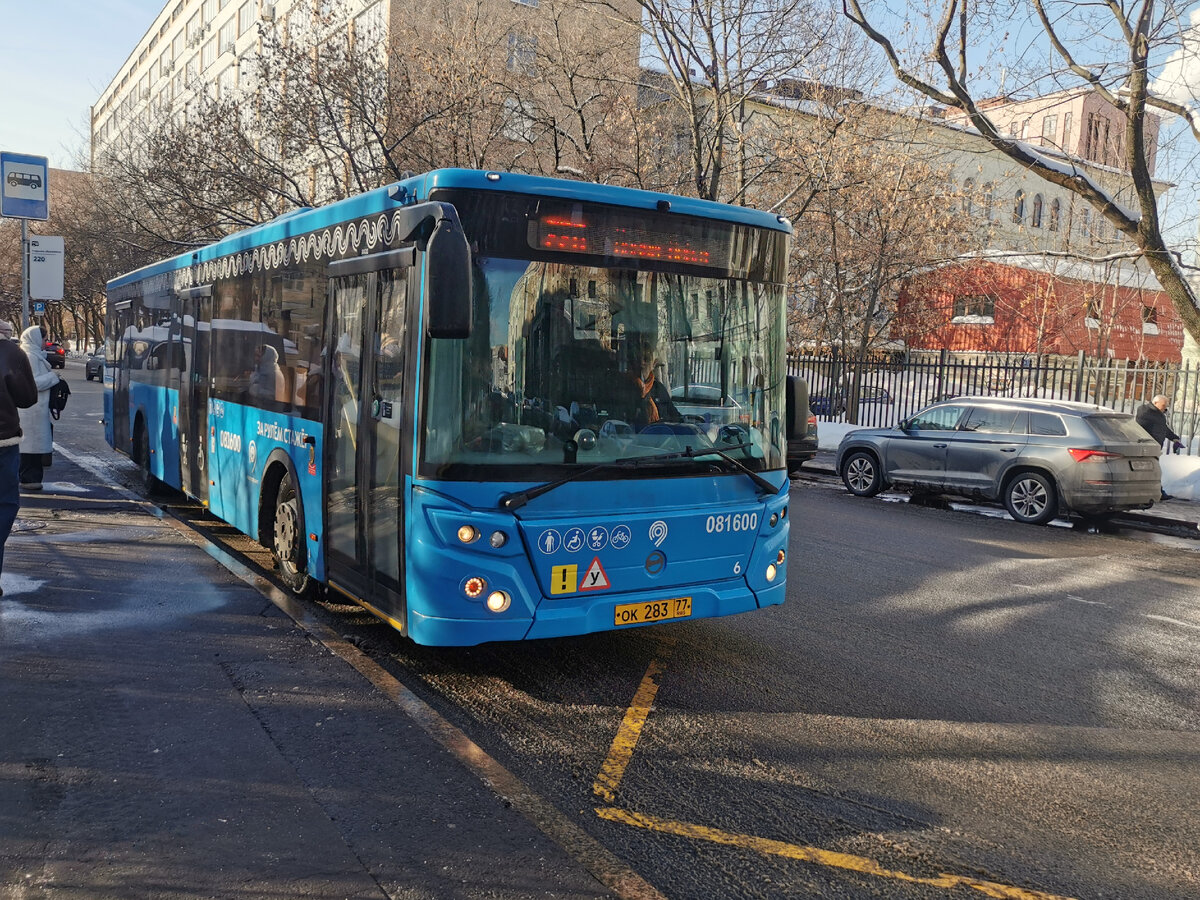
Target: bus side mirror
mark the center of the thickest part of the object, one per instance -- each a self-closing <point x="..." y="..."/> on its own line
<point x="448" y="273"/>
<point x="797" y="408"/>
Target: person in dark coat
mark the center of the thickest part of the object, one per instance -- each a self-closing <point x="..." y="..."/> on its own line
<point x="18" y="390"/>
<point x="1152" y="417"/>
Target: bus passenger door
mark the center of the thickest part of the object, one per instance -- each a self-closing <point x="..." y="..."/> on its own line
<point x="120" y="425"/>
<point x="364" y="463"/>
<point x="195" y="312"/>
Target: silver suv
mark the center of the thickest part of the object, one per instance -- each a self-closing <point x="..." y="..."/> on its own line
<point x="1040" y="457"/>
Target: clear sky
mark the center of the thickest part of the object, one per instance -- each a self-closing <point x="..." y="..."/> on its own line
<point x="56" y="56"/>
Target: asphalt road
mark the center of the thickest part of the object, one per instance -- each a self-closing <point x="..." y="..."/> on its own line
<point x="948" y="705"/>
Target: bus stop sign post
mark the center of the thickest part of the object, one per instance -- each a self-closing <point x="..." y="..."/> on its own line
<point x="24" y="194"/>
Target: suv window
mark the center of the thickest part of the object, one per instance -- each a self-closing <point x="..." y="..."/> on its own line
<point x="1047" y="424"/>
<point x="993" y="421"/>
<point x="937" y="418"/>
<point x="1116" y="428"/>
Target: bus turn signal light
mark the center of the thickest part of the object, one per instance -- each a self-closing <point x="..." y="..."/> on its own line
<point x="474" y="587"/>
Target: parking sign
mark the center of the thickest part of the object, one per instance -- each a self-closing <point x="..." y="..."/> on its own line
<point x="24" y="193"/>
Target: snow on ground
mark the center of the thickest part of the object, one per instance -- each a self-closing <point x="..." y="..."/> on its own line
<point x="1180" y="474"/>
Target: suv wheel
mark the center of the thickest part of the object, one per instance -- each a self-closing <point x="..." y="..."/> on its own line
<point x="861" y="475"/>
<point x="1030" y="497"/>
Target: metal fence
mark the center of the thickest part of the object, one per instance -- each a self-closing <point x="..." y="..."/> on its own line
<point x="882" y="390"/>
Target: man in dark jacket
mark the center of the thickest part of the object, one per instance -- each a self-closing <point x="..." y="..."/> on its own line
<point x="1153" y="419"/>
<point x="17" y="391"/>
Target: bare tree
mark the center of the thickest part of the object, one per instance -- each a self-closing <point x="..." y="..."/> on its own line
<point x="1109" y="48"/>
<point x="711" y="62"/>
<point x="871" y="208"/>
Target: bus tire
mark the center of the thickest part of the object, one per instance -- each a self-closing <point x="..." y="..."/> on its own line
<point x="287" y="539"/>
<point x="150" y="484"/>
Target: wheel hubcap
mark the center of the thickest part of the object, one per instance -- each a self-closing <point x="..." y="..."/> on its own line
<point x="286" y="531"/>
<point x="1029" y="498"/>
<point x="860" y="474"/>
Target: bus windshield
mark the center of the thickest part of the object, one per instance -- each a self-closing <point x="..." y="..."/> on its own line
<point x="572" y="364"/>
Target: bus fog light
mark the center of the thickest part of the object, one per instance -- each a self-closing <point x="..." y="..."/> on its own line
<point x="498" y="539"/>
<point x="774" y="519"/>
<point x="771" y="572"/>
<point x="498" y="601"/>
<point x="780" y="558"/>
<point x="474" y="587"/>
<point x="468" y="534"/>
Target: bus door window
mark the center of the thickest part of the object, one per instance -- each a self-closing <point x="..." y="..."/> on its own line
<point x="386" y="416"/>
<point x="349" y="299"/>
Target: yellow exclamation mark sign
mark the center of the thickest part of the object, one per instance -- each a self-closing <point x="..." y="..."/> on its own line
<point x="564" y="579"/>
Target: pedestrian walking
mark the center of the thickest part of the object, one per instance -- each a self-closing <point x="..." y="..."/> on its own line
<point x="37" y="437"/>
<point x="1152" y="417"/>
<point x="18" y="390"/>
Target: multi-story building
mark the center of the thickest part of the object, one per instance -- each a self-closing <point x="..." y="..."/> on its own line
<point x="199" y="50"/>
<point x="1052" y="277"/>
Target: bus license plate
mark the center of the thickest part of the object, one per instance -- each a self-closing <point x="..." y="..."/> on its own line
<point x="656" y="611"/>
<point x="1140" y="465"/>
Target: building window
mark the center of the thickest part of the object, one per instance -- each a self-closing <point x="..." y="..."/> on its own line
<point x="1013" y="127"/>
<point x="1055" y="213"/>
<point x="228" y="36"/>
<point x="968" y="199"/>
<point x="1085" y="223"/>
<point x="974" y="309"/>
<point x="1149" y="320"/>
<point x="208" y="55"/>
<point x="1091" y="317"/>
<point x="1066" y="132"/>
<point x="988" y="191"/>
<point x="192" y="32"/>
<point x="1036" y="216"/>
<point x="1049" y="127"/>
<point x="522" y="54"/>
<point x="1018" y="215"/>
<point x="1096" y="141"/>
<point x="245" y="17"/>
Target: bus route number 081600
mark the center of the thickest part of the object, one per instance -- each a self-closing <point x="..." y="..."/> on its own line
<point x="731" y="522"/>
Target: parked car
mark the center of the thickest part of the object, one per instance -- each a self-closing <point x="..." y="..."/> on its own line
<point x="802" y="432"/>
<point x="1040" y="458"/>
<point x="56" y="355"/>
<point x="93" y="366"/>
<point x="835" y="405"/>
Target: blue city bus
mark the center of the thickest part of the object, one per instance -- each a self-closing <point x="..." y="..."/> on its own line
<point x="483" y="406"/>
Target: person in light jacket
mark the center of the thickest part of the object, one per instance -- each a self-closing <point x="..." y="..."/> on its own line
<point x="17" y="391"/>
<point x="37" y="438"/>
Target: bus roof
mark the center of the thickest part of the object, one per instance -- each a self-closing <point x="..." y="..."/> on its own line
<point x="418" y="188"/>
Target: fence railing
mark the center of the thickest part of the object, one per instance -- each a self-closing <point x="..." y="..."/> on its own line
<point x="880" y="391"/>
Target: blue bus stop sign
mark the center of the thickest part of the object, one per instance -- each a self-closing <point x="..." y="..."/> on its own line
<point x="24" y="193"/>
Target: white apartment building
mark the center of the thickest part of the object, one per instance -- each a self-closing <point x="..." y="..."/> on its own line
<point x="207" y="45"/>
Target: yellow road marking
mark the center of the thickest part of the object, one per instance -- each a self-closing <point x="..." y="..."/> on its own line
<point x="820" y="857"/>
<point x="625" y="742"/>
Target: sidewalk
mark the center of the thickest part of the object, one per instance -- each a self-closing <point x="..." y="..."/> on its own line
<point x="167" y="731"/>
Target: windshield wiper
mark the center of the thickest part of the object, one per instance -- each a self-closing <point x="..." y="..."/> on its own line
<point x="515" y="501"/>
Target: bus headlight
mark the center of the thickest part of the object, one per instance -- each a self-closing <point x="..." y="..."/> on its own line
<point x="780" y="557"/>
<point x="468" y="534"/>
<point x="498" y="539"/>
<point x="498" y="601"/>
<point x="771" y="572"/>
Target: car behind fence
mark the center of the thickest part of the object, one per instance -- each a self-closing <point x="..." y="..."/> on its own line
<point x="882" y="390"/>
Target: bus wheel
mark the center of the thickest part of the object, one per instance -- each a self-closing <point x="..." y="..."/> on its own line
<point x="287" y="539"/>
<point x="141" y="455"/>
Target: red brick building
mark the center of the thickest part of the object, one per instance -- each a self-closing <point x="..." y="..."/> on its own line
<point x="992" y="307"/>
